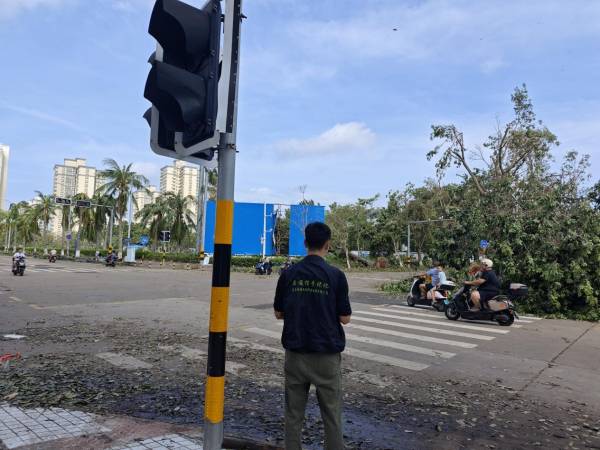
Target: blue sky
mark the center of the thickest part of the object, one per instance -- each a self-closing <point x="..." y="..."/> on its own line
<point x="330" y="97"/>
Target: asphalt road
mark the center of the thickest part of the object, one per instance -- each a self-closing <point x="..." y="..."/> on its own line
<point x="427" y="377"/>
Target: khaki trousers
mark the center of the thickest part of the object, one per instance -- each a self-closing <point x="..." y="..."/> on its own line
<point x="323" y="370"/>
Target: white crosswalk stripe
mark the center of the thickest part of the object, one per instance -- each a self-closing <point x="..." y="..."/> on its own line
<point x="416" y="337"/>
<point x="434" y="315"/>
<point x="445" y="323"/>
<point x="384" y="334"/>
<point x="398" y="346"/>
<point x="397" y="362"/>
<point x="480" y="337"/>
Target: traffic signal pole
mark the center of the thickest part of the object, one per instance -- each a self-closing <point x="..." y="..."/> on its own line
<point x="214" y="397"/>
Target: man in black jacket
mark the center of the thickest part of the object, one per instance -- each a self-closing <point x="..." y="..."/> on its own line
<point x="312" y="299"/>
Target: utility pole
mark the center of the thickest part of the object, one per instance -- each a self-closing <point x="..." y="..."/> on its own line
<point x="201" y="225"/>
<point x="214" y="397"/>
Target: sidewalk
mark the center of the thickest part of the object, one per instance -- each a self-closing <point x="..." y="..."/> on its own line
<point x="57" y="428"/>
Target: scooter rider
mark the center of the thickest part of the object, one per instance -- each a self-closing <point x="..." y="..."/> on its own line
<point x="19" y="254"/>
<point x="435" y="279"/>
<point x="487" y="283"/>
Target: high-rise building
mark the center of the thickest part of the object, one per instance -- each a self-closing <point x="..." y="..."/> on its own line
<point x="4" y="153"/>
<point x="181" y="179"/>
<point x="71" y="178"/>
<point x="143" y="198"/>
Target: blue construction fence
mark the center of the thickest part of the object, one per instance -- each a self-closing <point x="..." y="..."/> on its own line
<point x="249" y="226"/>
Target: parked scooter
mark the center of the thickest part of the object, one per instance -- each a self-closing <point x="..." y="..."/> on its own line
<point x="263" y="268"/>
<point x="500" y="309"/>
<point x="441" y="294"/>
<point x="18" y="267"/>
<point x="111" y="260"/>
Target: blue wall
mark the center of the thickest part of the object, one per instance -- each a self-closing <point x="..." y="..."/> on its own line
<point x="300" y="216"/>
<point x="247" y="228"/>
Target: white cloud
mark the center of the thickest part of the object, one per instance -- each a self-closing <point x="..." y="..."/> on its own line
<point x="11" y="8"/>
<point x="341" y="138"/>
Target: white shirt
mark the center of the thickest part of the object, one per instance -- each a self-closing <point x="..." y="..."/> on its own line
<point x="19" y="255"/>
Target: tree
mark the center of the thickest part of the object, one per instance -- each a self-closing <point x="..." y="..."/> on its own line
<point x="340" y="220"/>
<point x="180" y="216"/>
<point x="120" y="182"/>
<point x="521" y="145"/>
<point x="45" y="209"/>
<point x="154" y="216"/>
<point x="541" y="225"/>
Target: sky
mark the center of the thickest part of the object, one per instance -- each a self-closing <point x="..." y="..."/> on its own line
<point x="335" y="95"/>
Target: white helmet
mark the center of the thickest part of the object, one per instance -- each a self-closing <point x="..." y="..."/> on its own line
<point x="487" y="263"/>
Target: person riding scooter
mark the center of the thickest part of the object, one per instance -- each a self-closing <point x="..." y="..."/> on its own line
<point x="487" y="284"/>
<point x="435" y="280"/>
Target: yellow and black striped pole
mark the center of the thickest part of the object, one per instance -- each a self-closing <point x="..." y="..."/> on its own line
<point x="219" y="305"/>
<point x="214" y="395"/>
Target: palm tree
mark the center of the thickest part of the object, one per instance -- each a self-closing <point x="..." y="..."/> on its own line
<point x="28" y="223"/>
<point x="154" y="215"/>
<point x="180" y="216"/>
<point x="45" y="209"/>
<point x="101" y="215"/>
<point x="212" y="179"/>
<point x="85" y="220"/>
<point x="14" y="212"/>
<point x="121" y="180"/>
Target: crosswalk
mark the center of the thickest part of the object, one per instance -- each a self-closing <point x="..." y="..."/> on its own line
<point x="403" y="337"/>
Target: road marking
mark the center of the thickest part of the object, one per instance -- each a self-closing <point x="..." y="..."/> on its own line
<point x="403" y="310"/>
<point x="119" y="302"/>
<point x="16" y="299"/>
<point x="245" y="344"/>
<point x="416" y="337"/>
<point x="428" y="329"/>
<point x="124" y="361"/>
<point x="531" y="317"/>
<point x="445" y="323"/>
<point x="186" y="352"/>
<point x="398" y="346"/>
<point x="397" y="362"/>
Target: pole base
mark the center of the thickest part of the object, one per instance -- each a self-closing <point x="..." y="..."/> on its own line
<point x="213" y="435"/>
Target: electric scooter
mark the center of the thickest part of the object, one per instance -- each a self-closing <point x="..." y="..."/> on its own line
<point x="499" y="309"/>
<point x="441" y="294"/>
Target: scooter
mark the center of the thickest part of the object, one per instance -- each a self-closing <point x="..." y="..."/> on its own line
<point x="111" y="260"/>
<point x="441" y="294"/>
<point x="499" y="309"/>
<point x="18" y="267"/>
<point x="263" y="268"/>
<point x="52" y="258"/>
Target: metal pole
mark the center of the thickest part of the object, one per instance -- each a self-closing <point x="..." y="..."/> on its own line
<point x="110" y="226"/>
<point x="214" y="397"/>
<point x="129" y="207"/>
<point x="201" y="225"/>
<point x="69" y="229"/>
<point x="408" y="241"/>
<point x="264" y="233"/>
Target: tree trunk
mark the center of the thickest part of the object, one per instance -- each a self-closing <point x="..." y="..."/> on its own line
<point x="347" y="256"/>
<point x="120" y="252"/>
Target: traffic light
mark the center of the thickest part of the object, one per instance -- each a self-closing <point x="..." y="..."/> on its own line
<point x="183" y="82"/>
<point x="62" y="201"/>
<point x="83" y="204"/>
<point x="165" y="236"/>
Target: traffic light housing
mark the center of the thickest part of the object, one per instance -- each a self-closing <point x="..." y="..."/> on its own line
<point x="183" y="82"/>
<point x="62" y="201"/>
<point x="83" y="203"/>
<point x="165" y="236"/>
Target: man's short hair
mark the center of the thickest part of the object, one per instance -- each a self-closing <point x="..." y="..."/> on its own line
<point x="317" y="234"/>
